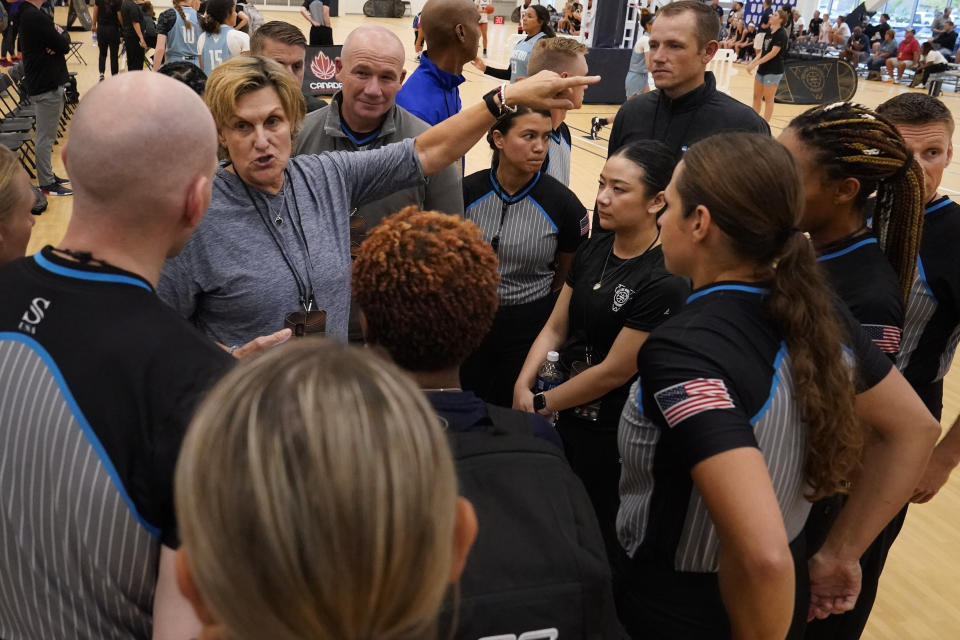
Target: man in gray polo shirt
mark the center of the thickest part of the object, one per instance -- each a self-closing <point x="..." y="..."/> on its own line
<point x="364" y="115"/>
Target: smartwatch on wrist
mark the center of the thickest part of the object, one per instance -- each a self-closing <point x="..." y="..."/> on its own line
<point x="539" y="402"/>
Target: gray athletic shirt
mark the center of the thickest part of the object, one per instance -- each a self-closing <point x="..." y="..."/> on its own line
<point x="231" y="279"/>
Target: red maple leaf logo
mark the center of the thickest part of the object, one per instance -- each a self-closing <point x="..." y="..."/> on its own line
<point x="323" y="67"/>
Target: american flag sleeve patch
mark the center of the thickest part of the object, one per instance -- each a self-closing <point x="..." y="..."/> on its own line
<point x="584" y="224"/>
<point x="885" y="337"/>
<point x="686" y="399"/>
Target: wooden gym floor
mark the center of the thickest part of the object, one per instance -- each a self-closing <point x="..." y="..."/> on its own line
<point x="920" y="591"/>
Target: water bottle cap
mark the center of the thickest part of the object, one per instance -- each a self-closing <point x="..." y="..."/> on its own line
<point x="553" y="356"/>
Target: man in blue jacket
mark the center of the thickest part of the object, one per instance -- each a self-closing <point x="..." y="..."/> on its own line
<point x="452" y="33"/>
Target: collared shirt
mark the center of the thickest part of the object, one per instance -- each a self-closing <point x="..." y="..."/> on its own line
<point x="430" y="93"/>
<point x="324" y="130"/>
<point x="530" y="226"/>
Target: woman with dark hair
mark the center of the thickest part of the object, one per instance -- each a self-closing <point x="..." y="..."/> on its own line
<point x="744" y="46"/>
<point x="617" y="291"/>
<point x="535" y="224"/>
<point x="845" y="153"/>
<point x="106" y="26"/>
<point x="931" y="61"/>
<point x="745" y="410"/>
<point x="220" y="41"/>
<point x="535" y="21"/>
<point x="769" y="63"/>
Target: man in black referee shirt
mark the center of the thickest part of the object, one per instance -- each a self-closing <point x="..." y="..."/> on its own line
<point x="932" y="324"/>
<point x="98" y="378"/>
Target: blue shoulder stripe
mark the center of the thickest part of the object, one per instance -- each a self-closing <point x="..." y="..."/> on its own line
<point x="45" y="264"/>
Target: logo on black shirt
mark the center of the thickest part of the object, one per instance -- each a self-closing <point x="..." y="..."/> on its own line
<point x="34" y="315"/>
<point x="621" y="296"/>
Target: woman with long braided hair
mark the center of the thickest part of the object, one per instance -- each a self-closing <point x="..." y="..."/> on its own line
<point x="845" y="153"/>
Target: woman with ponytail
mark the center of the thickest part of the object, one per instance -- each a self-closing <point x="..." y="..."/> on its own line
<point x="745" y="410"/>
<point x="845" y="153"/>
<point x="177" y="31"/>
<point x="220" y="41"/>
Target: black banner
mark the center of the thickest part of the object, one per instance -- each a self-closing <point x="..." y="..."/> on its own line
<point x="816" y="81"/>
<point x="319" y="76"/>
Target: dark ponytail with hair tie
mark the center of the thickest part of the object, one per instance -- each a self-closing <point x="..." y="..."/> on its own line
<point x="752" y="190"/>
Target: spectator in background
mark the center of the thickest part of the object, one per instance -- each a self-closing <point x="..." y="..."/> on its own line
<point x="483" y="20"/>
<point x="946" y="41"/>
<point x="813" y="29"/>
<point x="931" y="61"/>
<point x="763" y="25"/>
<point x="106" y="26"/>
<point x="8" y="51"/>
<point x="908" y="55"/>
<point x="734" y="36"/>
<point x="131" y="15"/>
<point x="885" y="50"/>
<point x="939" y="22"/>
<point x="149" y="24"/>
<point x="840" y="33"/>
<point x="452" y="33"/>
<point x="178" y="29"/>
<point x="536" y="24"/>
<point x="364" y="115"/>
<point x="744" y="46"/>
<point x="187" y="73"/>
<point x="638" y="77"/>
<point x="317" y="13"/>
<point x="340" y="447"/>
<point x="827" y="30"/>
<point x="715" y="5"/>
<point x="285" y="44"/>
<point x="769" y="64"/>
<point x="797" y="29"/>
<point x="219" y="41"/>
<point x="45" y="45"/>
<point x="857" y="48"/>
<point x="878" y="31"/>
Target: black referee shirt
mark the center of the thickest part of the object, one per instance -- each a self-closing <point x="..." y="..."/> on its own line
<point x="932" y="325"/>
<point x="638" y="293"/>
<point x="865" y="280"/>
<point x="713" y="378"/>
<point x="527" y="228"/>
<point x="98" y="381"/>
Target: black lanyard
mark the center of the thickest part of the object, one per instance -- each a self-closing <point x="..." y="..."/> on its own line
<point x="304" y="284"/>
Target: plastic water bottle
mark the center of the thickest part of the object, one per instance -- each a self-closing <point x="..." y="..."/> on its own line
<point x="549" y="376"/>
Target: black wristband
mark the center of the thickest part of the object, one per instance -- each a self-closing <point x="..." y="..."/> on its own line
<point x="495" y="110"/>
